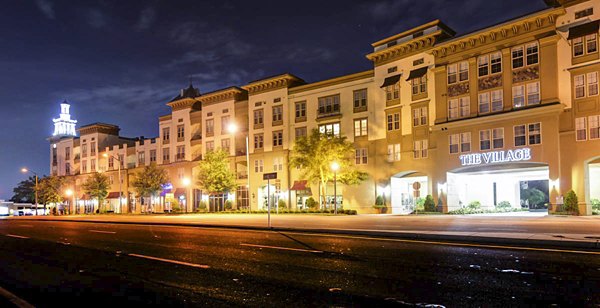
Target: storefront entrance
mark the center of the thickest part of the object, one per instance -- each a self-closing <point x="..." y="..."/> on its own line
<point x="593" y="189"/>
<point x="522" y="185"/>
<point x="407" y="190"/>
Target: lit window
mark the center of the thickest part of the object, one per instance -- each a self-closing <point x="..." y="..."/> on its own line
<point x="330" y="129"/>
<point x="484" y="140"/>
<point x="360" y="127"/>
<point x="420" y="149"/>
<point x="518" y="96"/>
<point x="394" y="152"/>
<point x="581" y="129"/>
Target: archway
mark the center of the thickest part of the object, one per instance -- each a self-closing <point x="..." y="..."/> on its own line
<point x="592" y="189"/>
<point x="407" y="189"/>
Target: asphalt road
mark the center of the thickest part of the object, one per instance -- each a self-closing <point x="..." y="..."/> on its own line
<point x="53" y="264"/>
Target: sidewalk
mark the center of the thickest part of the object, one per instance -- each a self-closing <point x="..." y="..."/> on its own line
<point x="553" y="231"/>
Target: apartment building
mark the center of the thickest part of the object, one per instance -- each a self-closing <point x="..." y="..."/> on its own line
<point x="484" y="116"/>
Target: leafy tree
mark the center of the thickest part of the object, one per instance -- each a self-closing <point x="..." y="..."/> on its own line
<point x="96" y="186"/>
<point x="50" y="190"/>
<point x="214" y="173"/>
<point x="571" y="202"/>
<point x="314" y="155"/>
<point x="150" y="181"/>
<point x="24" y="192"/>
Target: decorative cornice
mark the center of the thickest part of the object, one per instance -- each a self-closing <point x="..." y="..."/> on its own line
<point x="332" y="82"/>
<point x="273" y="83"/>
<point x="527" y="24"/>
<point x="182" y="103"/>
<point x="101" y="128"/>
<point x="231" y="93"/>
<point x="402" y="50"/>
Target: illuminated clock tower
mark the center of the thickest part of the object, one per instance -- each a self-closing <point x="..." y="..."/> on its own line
<point x="64" y="126"/>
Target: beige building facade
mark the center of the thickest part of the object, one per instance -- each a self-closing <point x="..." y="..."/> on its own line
<point x="486" y="116"/>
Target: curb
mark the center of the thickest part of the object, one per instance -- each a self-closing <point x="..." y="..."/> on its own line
<point x="558" y="244"/>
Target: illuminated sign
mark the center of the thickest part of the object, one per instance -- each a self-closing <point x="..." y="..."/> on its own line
<point x="495" y="157"/>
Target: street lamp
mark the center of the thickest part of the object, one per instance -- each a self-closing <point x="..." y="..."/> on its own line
<point x="186" y="184"/>
<point x="232" y="128"/>
<point x="69" y="193"/>
<point x="120" y="182"/>
<point x="25" y="170"/>
<point x="335" y="167"/>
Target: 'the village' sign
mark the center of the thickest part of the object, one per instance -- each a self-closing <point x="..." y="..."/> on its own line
<point x="495" y="157"/>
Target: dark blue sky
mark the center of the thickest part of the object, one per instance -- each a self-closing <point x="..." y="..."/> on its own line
<point x="120" y="61"/>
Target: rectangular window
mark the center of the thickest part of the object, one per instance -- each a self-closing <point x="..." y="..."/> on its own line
<point x="392" y="69"/>
<point x="360" y="127"/>
<point x="594" y="122"/>
<point x="419" y="85"/>
<point x="453" y="109"/>
<point x="583" y="13"/>
<point x="465" y="106"/>
<point x="210" y="127"/>
<point x="392" y="91"/>
<point x="578" y="47"/>
<point x="420" y="116"/>
<point x="591" y="43"/>
<point x="111" y="163"/>
<point x="83" y="166"/>
<point x="497" y="102"/>
<point x="518" y="96"/>
<point x="498" y="138"/>
<point x="533" y="93"/>
<point x="92" y="149"/>
<point x="93" y="165"/>
<point x="180" y="133"/>
<point x="393" y="121"/>
<point x="141" y="158"/>
<point x="181" y="152"/>
<point x="517" y="57"/>
<point x="67" y="168"/>
<point x="484" y="102"/>
<point x="463" y="71"/>
<point x="465" y="142"/>
<point x="520" y="135"/>
<point x="258" y="141"/>
<point x="224" y="125"/>
<point x="225" y="144"/>
<point x="258" y="165"/>
<point x="592" y="83"/>
<point x="420" y="149"/>
<point x="360" y="98"/>
<point x="300" y="109"/>
<point x="277" y="113"/>
<point x="258" y="117"/>
<point x="278" y="164"/>
<point x="122" y="161"/>
<point x="152" y="156"/>
<point x="210" y="146"/>
<point x="579" y="82"/>
<point x="300" y="132"/>
<point x="532" y="53"/>
<point x="166" y="134"/>
<point x="452" y="74"/>
<point x="453" y="141"/>
<point x="535" y="133"/>
<point x="483" y="65"/>
<point x="329" y="104"/>
<point x="84" y="150"/>
<point x="330" y="129"/>
<point x="68" y="153"/>
<point x="393" y="152"/>
<point x="361" y="156"/>
<point x="278" y="138"/>
<point x="166" y="156"/>
<point x="496" y="62"/>
<point x="485" y="142"/>
<point x="580" y="129"/>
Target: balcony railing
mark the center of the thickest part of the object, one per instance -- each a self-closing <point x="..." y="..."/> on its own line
<point x="328" y="111"/>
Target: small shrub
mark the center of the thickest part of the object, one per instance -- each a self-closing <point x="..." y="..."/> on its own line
<point x="228" y="205"/>
<point x="379" y="200"/>
<point x="474" y="205"/>
<point x="311" y="203"/>
<point x="428" y="204"/>
<point x="503" y="205"/>
<point x="595" y="205"/>
<point x="281" y="204"/>
<point x="571" y="203"/>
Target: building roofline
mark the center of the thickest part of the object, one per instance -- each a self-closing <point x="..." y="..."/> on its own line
<point x="333" y="81"/>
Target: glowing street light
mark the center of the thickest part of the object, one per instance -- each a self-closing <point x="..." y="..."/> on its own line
<point x="25" y="170"/>
<point x="186" y="183"/>
<point x="335" y="166"/>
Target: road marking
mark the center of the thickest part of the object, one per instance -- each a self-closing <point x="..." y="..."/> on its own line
<point x="169" y="261"/>
<point x="99" y="231"/>
<point x="19" y="302"/>
<point x="451" y="244"/>
<point x="281" y="248"/>
<point x="16" y="236"/>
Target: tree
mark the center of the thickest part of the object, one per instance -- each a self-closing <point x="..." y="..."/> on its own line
<point x="314" y="155"/>
<point x="50" y="190"/>
<point x="24" y="192"/>
<point x="150" y="181"/>
<point x="571" y="202"/>
<point x="96" y="186"/>
<point x="214" y="174"/>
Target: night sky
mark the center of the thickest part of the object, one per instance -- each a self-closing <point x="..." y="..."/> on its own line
<point x="120" y="61"/>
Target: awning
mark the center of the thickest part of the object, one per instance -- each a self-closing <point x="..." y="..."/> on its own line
<point x="391" y="80"/>
<point x="299" y="185"/>
<point x="84" y="197"/>
<point x="179" y="192"/>
<point x="585" y="29"/>
<point x="113" y="195"/>
<point x="420" y="72"/>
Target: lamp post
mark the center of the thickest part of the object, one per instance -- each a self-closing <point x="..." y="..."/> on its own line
<point x="186" y="184"/>
<point x="25" y="170"/>
<point x="69" y="193"/>
<point x="232" y="130"/>
<point x="335" y="167"/>
<point x="120" y="182"/>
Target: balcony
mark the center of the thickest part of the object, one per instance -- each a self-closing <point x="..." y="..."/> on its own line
<point x="328" y="112"/>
